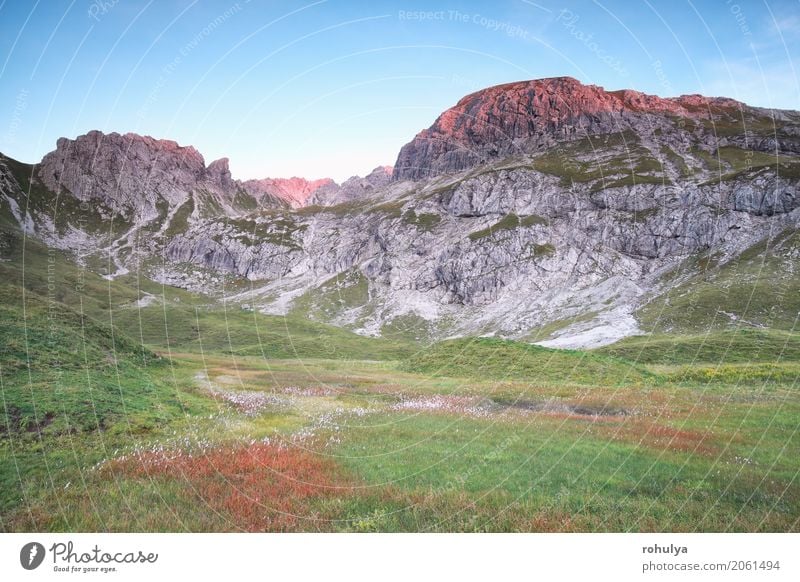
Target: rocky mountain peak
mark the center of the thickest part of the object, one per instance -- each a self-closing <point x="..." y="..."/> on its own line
<point x="354" y="188"/>
<point x="220" y="166"/>
<point x="218" y="172"/>
<point x="294" y="191"/>
<point x="131" y="174"/>
<point x="127" y="173"/>
<point x="530" y="115"/>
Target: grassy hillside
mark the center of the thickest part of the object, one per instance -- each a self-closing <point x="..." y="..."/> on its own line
<point x="174" y="318"/>
<point x="232" y="330"/>
<point x="735" y="346"/>
<point x="64" y="374"/>
<point x="74" y="389"/>
<point x="504" y="359"/>
<point x="358" y="446"/>
<point x="760" y="288"/>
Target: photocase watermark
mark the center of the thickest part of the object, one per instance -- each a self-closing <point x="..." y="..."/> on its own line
<point x="503" y="26"/>
<point x="508" y="28"/>
<point x="31" y="555"/>
<point x="20" y="105"/>
<point x="67" y="559"/>
<point x="169" y="69"/>
<point x="569" y="20"/>
<point x="422" y="15"/>
<point x="99" y="8"/>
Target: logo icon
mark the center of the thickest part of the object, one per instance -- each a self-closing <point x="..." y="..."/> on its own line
<point x="31" y="555"/>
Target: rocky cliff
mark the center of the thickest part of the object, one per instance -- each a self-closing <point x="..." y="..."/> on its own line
<point x="133" y="174"/>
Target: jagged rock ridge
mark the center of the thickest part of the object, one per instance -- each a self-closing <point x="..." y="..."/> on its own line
<point x="295" y="191"/>
<point x="529" y="116"/>
<point x="133" y="173"/>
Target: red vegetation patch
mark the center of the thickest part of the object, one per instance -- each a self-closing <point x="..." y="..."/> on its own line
<point x="261" y="487"/>
<point x="663" y="437"/>
<point x="554" y="521"/>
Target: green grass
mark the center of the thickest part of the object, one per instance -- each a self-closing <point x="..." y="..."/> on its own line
<point x="340" y="293"/>
<point x="411" y="328"/>
<point x="392" y="209"/>
<point x="73" y="390"/>
<point x="481" y="475"/>
<point x="760" y="288"/>
<point x="676" y="160"/>
<point x="234" y="331"/>
<point x="505" y="359"/>
<point x="179" y="320"/>
<point x="278" y="230"/>
<point x="731" y="162"/>
<point x="632" y="179"/>
<point x="244" y="202"/>
<point x="732" y="123"/>
<point x="547" y="330"/>
<point x="62" y="372"/>
<point x="736" y="346"/>
<point x="42" y="332"/>
<point x="342" y="209"/>
<point x="50" y="273"/>
<point x="423" y="221"/>
<point x="543" y="250"/>
<point x="180" y="220"/>
<point x="683" y="459"/>
<point x="750" y="373"/>
<point x="587" y="160"/>
<point x="642" y="216"/>
<point x="508" y="222"/>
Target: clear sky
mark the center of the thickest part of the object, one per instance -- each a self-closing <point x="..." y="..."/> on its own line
<point x="335" y="88"/>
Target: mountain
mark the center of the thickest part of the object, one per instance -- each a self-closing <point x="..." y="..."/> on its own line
<point x="138" y="175"/>
<point x="353" y="188"/>
<point x="542" y="210"/>
<point x="295" y="191"/>
<point x="532" y="116"/>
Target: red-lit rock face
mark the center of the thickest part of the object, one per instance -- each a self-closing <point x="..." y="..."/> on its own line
<point x="489" y="122"/>
<point x="295" y="191"/>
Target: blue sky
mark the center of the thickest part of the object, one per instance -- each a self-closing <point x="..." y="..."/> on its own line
<point x="335" y="88"/>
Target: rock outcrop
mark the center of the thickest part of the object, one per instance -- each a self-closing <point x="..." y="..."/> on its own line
<point x="354" y="188"/>
<point x="128" y="173"/>
<point x="294" y="191"/>
<point x="141" y="178"/>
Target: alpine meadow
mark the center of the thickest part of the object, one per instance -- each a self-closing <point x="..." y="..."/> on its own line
<point x="564" y="308"/>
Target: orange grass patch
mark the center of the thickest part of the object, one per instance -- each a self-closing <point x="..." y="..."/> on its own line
<point x="261" y="487"/>
<point x="662" y="437"/>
